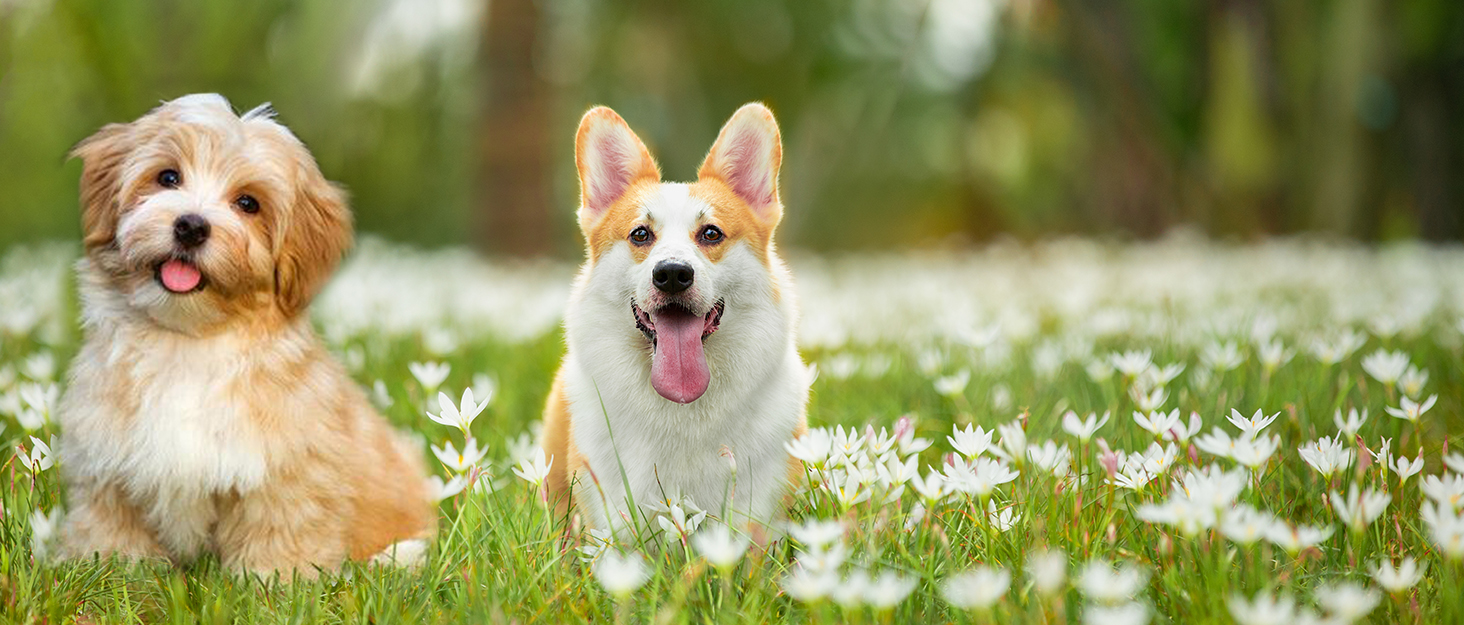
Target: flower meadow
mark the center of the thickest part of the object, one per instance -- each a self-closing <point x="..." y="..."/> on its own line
<point x="1065" y="432"/>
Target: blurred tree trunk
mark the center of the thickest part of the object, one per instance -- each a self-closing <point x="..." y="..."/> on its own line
<point x="513" y="215"/>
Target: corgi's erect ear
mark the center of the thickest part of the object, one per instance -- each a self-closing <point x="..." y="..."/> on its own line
<point x="610" y="158"/>
<point x="746" y="157"/>
<point x="102" y="156"/>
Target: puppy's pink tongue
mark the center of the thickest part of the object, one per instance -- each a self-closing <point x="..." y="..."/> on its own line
<point x="679" y="366"/>
<point x="179" y="277"/>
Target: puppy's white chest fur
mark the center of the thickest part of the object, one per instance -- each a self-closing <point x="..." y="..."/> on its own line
<point x="161" y="415"/>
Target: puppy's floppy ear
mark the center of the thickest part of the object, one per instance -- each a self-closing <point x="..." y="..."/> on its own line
<point x="312" y="237"/>
<point x="747" y="156"/>
<point x="102" y="156"/>
<point x="610" y="158"/>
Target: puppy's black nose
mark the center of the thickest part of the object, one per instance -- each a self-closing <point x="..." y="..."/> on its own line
<point x="190" y="230"/>
<point x="671" y="276"/>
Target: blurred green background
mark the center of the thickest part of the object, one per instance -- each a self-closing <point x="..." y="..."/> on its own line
<point x="905" y="122"/>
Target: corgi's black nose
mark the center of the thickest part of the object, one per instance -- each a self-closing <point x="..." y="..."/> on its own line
<point x="190" y="230"/>
<point x="672" y="276"/>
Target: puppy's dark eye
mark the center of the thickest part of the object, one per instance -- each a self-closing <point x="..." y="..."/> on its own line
<point x="641" y="235"/>
<point x="170" y="178"/>
<point x="248" y="204"/>
<point x="711" y="235"/>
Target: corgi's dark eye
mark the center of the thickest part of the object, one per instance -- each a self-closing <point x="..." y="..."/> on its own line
<point x="169" y="178"/>
<point x="711" y="235"/>
<point x="248" y="204"/>
<point x="641" y="235"/>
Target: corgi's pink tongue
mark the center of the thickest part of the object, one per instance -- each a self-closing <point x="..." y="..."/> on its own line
<point x="179" y="277"/>
<point x="679" y="366"/>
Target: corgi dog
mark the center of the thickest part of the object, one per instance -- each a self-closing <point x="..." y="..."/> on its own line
<point x="682" y="378"/>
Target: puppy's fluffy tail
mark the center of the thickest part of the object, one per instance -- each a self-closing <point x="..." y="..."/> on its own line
<point x="407" y="554"/>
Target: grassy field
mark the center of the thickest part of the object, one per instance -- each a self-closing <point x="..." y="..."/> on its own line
<point x="1018" y="528"/>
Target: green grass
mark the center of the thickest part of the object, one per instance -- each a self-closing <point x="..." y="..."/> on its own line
<point x="501" y="557"/>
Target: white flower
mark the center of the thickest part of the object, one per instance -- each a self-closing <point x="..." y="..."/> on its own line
<point x="809" y="586"/>
<point x="1004" y="519"/>
<point x="40" y="366"/>
<point x="1411" y="410"/>
<point x="849" y="490"/>
<point x="39" y="459"/>
<point x="1123" y="614"/>
<point x="1273" y="354"/>
<point x="812" y="448"/>
<point x="460" y="461"/>
<point x="852" y="592"/>
<point x="1186" y="515"/>
<point x="908" y="444"/>
<point x="1158" y="423"/>
<point x="1251" y="427"/>
<point x="1446" y="528"/>
<point x="1358" y="510"/>
<point x="1216" y="443"/>
<point x="620" y="574"/>
<point x="1101" y="582"/>
<point x="1397" y="580"/>
<point x="888" y="590"/>
<point x="1254" y="452"/>
<point x="440" y="490"/>
<point x="1386" y="366"/>
<point x="1083" y="428"/>
<point x="1263" y="609"/>
<point x="43" y="530"/>
<point x="976" y="589"/>
<point x="1013" y="441"/>
<point x="1131" y="363"/>
<point x="1353" y="423"/>
<point x="430" y="374"/>
<point x="824" y="559"/>
<point x="1151" y="401"/>
<point x="933" y="489"/>
<point x="1327" y="455"/>
<point x="1048" y="570"/>
<point x="520" y="448"/>
<point x="534" y="470"/>
<point x="484" y="386"/>
<point x="380" y="395"/>
<point x="719" y="546"/>
<point x="895" y="473"/>
<point x="1405" y="468"/>
<point x="1050" y="457"/>
<point x="680" y="518"/>
<point x="1245" y="525"/>
<point x="846" y="445"/>
<point x="460" y="417"/>
<point x="40" y="398"/>
<point x="981" y="477"/>
<point x="815" y="534"/>
<point x="1222" y="357"/>
<point x="1099" y="370"/>
<point x="1455" y="462"/>
<point x="1347" y="601"/>
<point x="1446" y="489"/>
<point x="596" y="543"/>
<point x="953" y="385"/>
<point x="1338" y="350"/>
<point x="1294" y="538"/>
<point x="970" y="443"/>
<point x="1181" y="433"/>
<point x="1411" y="384"/>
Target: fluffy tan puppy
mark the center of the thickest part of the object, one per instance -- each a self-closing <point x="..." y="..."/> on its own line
<point x="202" y="413"/>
